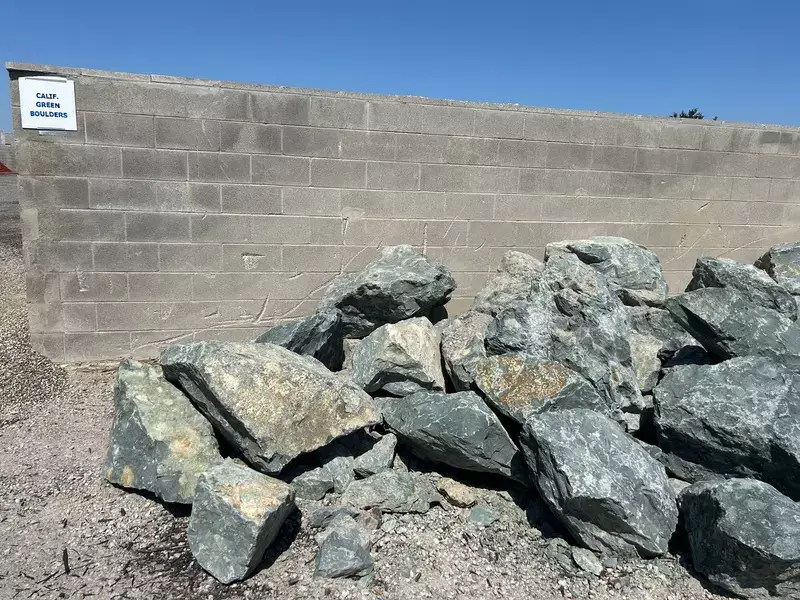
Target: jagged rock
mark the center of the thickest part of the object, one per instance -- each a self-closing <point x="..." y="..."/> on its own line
<point x="400" y="358"/>
<point x="607" y="490"/>
<point x="320" y="517"/>
<point x="754" y="284"/>
<point x="463" y="346"/>
<point x="744" y="536"/>
<point x="158" y="441"/>
<point x="343" y="550"/>
<point x="456" y="493"/>
<point x="634" y="273"/>
<point x="738" y="418"/>
<point x="587" y="561"/>
<point x="482" y="516"/>
<point x="517" y="386"/>
<point x="454" y="429"/>
<point x="400" y="284"/>
<point x="236" y="515"/>
<point x="269" y="402"/>
<point x="728" y="325"/>
<point x="350" y="346"/>
<point x="370" y="519"/>
<point x="313" y="484"/>
<point x="393" y="492"/>
<point x="515" y="277"/>
<point x="645" y="350"/>
<point x="678" y="485"/>
<point x="379" y="458"/>
<point x="782" y="263"/>
<point x="318" y="335"/>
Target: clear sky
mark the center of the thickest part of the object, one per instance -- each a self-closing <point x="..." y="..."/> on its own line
<point x="738" y="59"/>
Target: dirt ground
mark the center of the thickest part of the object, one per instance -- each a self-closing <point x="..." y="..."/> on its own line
<point x="66" y="533"/>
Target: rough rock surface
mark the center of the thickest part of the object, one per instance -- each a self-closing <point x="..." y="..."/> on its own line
<point x="318" y="335"/>
<point x="754" y="284"/>
<point x="379" y="458"/>
<point x="456" y="493"/>
<point x="400" y="359"/>
<point x="740" y="418"/>
<point x="782" y="263"/>
<point x="454" y="429"/>
<point x="515" y="277"/>
<point x="744" y="536"/>
<point x="463" y="347"/>
<point x="158" y="442"/>
<point x="267" y="401"/>
<point x="393" y="492"/>
<point x="343" y="550"/>
<point x="236" y="514"/>
<point x="607" y="490"/>
<point x="517" y="386"/>
<point x="645" y="350"/>
<point x="402" y="283"/>
<point x="634" y="273"/>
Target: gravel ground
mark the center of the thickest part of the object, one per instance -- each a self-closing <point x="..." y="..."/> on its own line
<point x="65" y="533"/>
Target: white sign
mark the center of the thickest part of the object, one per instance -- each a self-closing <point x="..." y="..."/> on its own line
<point x="47" y="103"/>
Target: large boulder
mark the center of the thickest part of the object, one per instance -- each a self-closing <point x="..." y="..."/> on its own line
<point x="236" y="515"/>
<point x="518" y="386"/>
<point x="782" y="263"/>
<point x="754" y="284"/>
<point x="463" y="347"/>
<point x="270" y="403"/>
<point x="633" y="272"/>
<point x="400" y="359"/>
<point x="744" y="536"/>
<point x="515" y="277"/>
<point x="318" y="335"/>
<point x="392" y="492"/>
<point x="343" y="550"/>
<point x="402" y="283"/>
<point x="454" y="429"/>
<point x="607" y="490"/>
<point x="729" y="325"/>
<point x="737" y="418"/>
<point x="158" y="441"/>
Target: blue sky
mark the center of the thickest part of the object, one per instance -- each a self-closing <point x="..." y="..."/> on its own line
<point x="738" y="59"/>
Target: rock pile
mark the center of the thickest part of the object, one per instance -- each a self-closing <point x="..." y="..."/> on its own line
<point x="576" y="379"/>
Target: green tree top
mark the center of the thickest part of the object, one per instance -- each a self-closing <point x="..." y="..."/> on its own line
<point x="692" y="113"/>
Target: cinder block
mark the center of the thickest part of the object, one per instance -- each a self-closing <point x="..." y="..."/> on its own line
<point x="357" y="204"/>
<point x="126" y="316"/>
<point x="222" y="167"/>
<point x="413" y="147"/>
<point x="154" y="164"/>
<point x="613" y="158"/>
<point x="679" y="134"/>
<point x="374" y="145"/>
<point x="251" y="257"/>
<point x="548" y="127"/>
<point x="287" y="109"/>
<point x="286" y="170"/>
<point x="50" y="345"/>
<point x="757" y="190"/>
<point x="29" y="223"/>
<point x="392" y="176"/>
<point x="586" y="183"/>
<point x="221" y="228"/>
<point x="180" y="196"/>
<point x="542" y="181"/>
<point x="445" y="233"/>
<point x="568" y="156"/>
<point x="71" y="160"/>
<point x="204" y="197"/>
<point x="251" y="199"/>
<point x="370" y="232"/>
<point x="184" y="315"/>
<point x="250" y="137"/>
<point x="456" y="178"/>
<point x="247" y="286"/>
<point x="779" y="190"/>
<point x="187" y="134"/>
<point x="59" y="256"/>
<point x="311" y="201"/>
<point x="778" y="167"/>
<point x="217" y="103"/>
<point x="42" y="287"/>
<point x="468" y="206"/>
<point x="499" y="124"/>
<point x="157" y="227"/>
<point x="23" y="136"/>
<point x="62" y="192"/>
<point x="328" y="231"/>
<point x="457" y="259"/>
<point x="85" y="287"/>
<point x="448" y="120"/>
<point x="151" y="99"/>
<point x="471" y="283"/>
<point x="342" y="113"/>
<point x="656" y="160"/>
<point x="395" y="116"/>
<point x="630" y="185"/>
<point x="45" y="318"/>
<point x="712" y="188"/>
<point x="14" y="92"/>
<point x="519" y="153"/>
<point x="789" y="143"/>
<point x="472" y="151"/>
<point x="698" y="162"/>
<point x="765" y="213"/>
<point x="189" y="258"/>
<point x="81" y="316"/>
<point x="791" y="215"/>
<point x="644" y="133"/>
<point x="126" y="194"/>
<point x="729" y="139"/>
<point x="281" y="230"/>
<point x="120" y="130"/>
<point x="229" y="334"/>
<point x="492" y="233"/>
<point x="768" y="142"/>
<point x="595" y="130"/>
<point x="737" y="165"/>
<point x="327" y="258"/>
<point x="662" y="210"/>
<point x="614" y="210"/>
<point x="518" y="208"/>
<point x="159" y="286"/>
<point x="80" y="225"/>
<point x="97" y="94"/>
<point x="81" y="347"/>
<point x="338" y="173"/>
<point x="560" y="209"/>
<point x="309" y="141"/>
<point x="636" y="232"/>
<point x="125" y="257"/>
<point x="672" y="186"/>
<point x="149" y="344"/>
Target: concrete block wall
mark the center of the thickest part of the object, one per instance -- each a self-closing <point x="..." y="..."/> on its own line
<point x="184" y="209"/>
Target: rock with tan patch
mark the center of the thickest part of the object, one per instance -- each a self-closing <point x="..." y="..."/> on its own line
<point x="456" y="493"/>
<point x="236" y="515"/>
<point x="518" y="386"/>
<point x="463" y="347"/>
<point x="158" y="441"/>
<point x="516" y="277"/>
<point x="269" y="402"/>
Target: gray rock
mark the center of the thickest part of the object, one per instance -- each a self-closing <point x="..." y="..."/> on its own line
<point x="393" y="492"/>
<point x="370" y="519"/>
<point x="782" y="263"/>
<point x="678" y="485"/>
<point x="400" y="284"/>
<point x="517" y="386"/>
<point x="350" y="346"/>
<point x="400" y="358"/>
<point x="313" y="484"/>
<point x="379" y="458"/>
<point x="645" y="350"/>
<point x="463" y="346"/>
<point x="158" y="441"/>
<point x="754" y="284"/>
<point x="634" y="273"/>
<point x="269" y="402"/>
<point x="483" y="516"/>
<point x="454" y="429"/>
<point x="609" y="492"/>
<point x="587" y="561"/>
<point x="659" y="323"/>
<point x="738" y="418"/>
<point x="744" y="536"/>
<point x="515" y="277"/>
<point x="344" y="550"/>
<point x="236" y="515"/>
<point x="318" y="335"/>
<point x="320" y="517"/>
<point x="456" y="493"/>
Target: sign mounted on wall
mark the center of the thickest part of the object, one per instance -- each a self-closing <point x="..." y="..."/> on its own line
<point x="47" y="103"/>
